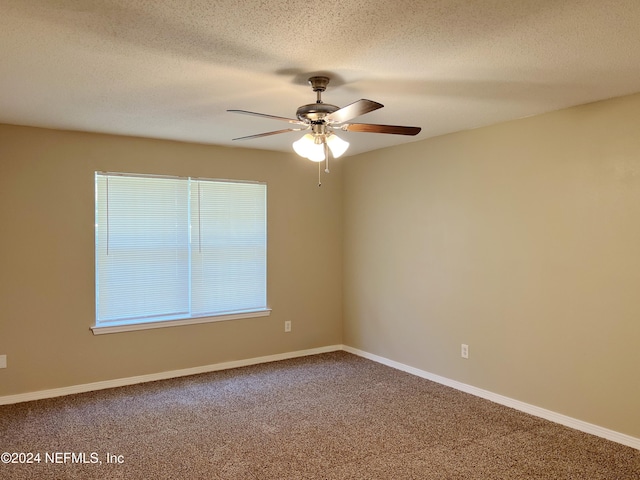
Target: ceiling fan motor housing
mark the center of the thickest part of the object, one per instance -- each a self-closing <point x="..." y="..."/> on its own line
<point x="315" y="112"/>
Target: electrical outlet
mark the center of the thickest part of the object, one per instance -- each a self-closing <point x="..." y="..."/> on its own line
<point x="3" y="361"/>
<point x="287" y="326"/>
<point x="464" y="351"/>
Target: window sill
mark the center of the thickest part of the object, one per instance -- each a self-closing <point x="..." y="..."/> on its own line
<point x="103" y="329"/>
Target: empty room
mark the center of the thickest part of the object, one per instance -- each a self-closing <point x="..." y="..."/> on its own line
<point x="336" y="240"/>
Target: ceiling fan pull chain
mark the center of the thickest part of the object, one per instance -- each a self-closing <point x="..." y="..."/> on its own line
<point x="319" y="170"/>
<point x="326" y="156"/>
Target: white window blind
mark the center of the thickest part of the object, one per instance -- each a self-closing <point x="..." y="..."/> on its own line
<point x="174" y="248"/>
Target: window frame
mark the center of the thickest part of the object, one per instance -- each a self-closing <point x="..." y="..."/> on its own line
<point x="132" y="324"/>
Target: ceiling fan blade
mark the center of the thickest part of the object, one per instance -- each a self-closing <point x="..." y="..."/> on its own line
<point x="372" y="128"/>
<point x="264" y="115"/>
<point x="266" y="134"/>
<point x="353" y="110"/>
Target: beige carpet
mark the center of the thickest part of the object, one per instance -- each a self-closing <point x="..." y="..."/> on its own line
<point x="330" y="416"/>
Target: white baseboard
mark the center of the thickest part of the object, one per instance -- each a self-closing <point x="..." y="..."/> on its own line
<point x="494" y="397"/>
<point x="506" y="401"/>
<point x="121" y="382"/>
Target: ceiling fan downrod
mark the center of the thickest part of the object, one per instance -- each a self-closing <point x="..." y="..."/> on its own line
<point x="319" y="85"/>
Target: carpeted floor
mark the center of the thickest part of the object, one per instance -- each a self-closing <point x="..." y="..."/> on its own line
<point x="330" y="416"/>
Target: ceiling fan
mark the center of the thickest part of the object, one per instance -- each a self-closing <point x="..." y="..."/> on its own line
<point x="322" y="119"/>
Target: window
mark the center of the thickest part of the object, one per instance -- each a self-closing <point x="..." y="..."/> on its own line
<point x="172" y="250"/>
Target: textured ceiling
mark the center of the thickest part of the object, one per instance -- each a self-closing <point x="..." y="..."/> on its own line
<point x="170" y="69"/>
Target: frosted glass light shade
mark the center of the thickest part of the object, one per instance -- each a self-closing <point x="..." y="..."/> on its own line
<point x="316" y="153"/>
<point x="337" y="145"/>
<point x="302" y="146"/>
<point x="308" y="148"/>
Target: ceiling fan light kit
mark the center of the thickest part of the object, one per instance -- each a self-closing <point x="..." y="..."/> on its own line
<point x="321" y="119"/>
<point x="312" y="147"/>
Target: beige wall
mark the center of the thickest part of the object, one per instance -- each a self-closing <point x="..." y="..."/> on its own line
<point x="47" y="266"/>
<point x="521" y="240"/>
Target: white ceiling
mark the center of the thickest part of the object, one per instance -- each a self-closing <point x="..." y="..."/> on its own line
<point x="170" y="68"/>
